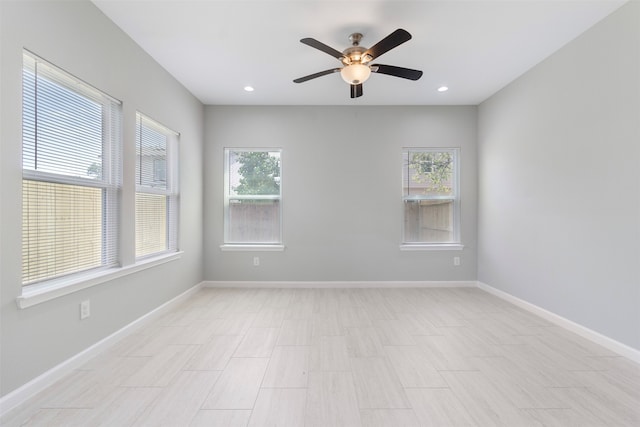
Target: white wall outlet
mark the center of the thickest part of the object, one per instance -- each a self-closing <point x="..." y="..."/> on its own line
<point x="85" y="309"/>
<point x="456" y="260"/>
<point x="256" y="261"/>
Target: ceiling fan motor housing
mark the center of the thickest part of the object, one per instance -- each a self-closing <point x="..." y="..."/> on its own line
<point x="355" y="55"/>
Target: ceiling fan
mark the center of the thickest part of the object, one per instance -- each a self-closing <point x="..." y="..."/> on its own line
<point x="355" y="60"/>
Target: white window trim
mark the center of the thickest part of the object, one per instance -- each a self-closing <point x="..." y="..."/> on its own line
<point x="456" y="245"/>
<point x="172" y="190"/>
<point x="431" y="247"/>
<point x="111" y="181"/>
<point x="249" y="246"/>
<point x="257" y="248"/>
<point x="51" y="289"/>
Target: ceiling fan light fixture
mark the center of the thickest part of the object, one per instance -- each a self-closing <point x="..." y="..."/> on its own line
<point x="355" y="74"/>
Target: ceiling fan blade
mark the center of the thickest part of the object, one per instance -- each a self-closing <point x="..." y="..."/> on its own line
<point x="356" y="90"/>
<point x="391" y="70"/>
<point x="394" y="39"/>
<point x="315" y="75"/>
<point x="323" y="47"/>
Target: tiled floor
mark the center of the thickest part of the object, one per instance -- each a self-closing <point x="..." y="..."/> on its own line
<point x="345" y="357"/>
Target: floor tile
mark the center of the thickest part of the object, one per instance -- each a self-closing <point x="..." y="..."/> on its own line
<point x="215" y="354"/>
<point x="389" y="418"/>
<point x="331" y="400"/>
<point x="257" y="342"/>
<point x="180" y="400"/>
<point x="161" y="368"/>
<point x="331" y="353"/>
<point x="221" y="418"/>
<point x="238" y="385"/>
<point x="282" y="407"/>
<point x="288" y="367"/>
<point x="413" y="367"/>
<point x="377" y="386"/>
<point x="296" y="332"/>
<point x="438" y="407"/>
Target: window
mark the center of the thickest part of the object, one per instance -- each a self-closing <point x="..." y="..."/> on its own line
<point x="252" y="197"/>
<point x="430" y="196"/>
<point x="70" y="174"/>
<point x="156" y="188"/>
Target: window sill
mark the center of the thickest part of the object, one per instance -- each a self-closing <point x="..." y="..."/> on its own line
<point x="273" y="248"/>
<point x="432" y="247"/>
<point x="39" y="293"/>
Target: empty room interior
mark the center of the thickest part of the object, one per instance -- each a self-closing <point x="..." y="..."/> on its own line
<point x="320" y="213"/>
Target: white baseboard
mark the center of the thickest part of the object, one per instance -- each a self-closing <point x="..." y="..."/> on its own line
<point x="339" y="284"/>
<point x="15" y="398"/>
<point x="608" y="343"/>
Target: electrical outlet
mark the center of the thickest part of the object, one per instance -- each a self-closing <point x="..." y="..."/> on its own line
<point x="85" y="309"/>
<point x="256" y="261"/>
<point x="456" y="260"/>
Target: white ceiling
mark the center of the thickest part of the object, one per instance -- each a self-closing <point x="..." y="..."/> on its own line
<point x="215" y="48"/>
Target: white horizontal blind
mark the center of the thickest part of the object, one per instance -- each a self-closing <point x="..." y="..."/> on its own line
<point x="156" y="188"/>
<point x="71" y="174"/>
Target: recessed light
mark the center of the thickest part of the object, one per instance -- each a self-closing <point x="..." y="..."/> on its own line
<point x="248" y="88"/>
<point x="443" y="89"/>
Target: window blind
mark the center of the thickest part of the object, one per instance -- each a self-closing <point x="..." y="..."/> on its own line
<point x="156" y="188"/>
<point x="71" y="174"/>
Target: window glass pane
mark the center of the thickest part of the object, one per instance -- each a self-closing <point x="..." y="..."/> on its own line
<point x="151" y="157"/>
<point x="428" y="173"/>
<point x="156" y="188"/>
<point x="254" y="221"/>
<point x="151" y="223"/>
<point x="57" y="121"/>
<point x="254" y="173"/>
<point x="160" y="170"/>
<point x="71" y="174"/>
<point x="429" y="181"/>
<point x="61" y="229"/>
<point x="428" y="221"/>
<point x="252" y="196"/>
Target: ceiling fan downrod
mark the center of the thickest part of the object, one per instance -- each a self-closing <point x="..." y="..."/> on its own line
<point x="355" y="39"/>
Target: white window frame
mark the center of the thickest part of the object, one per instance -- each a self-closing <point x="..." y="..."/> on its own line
<point x="249" y="246"/>
<point x="42" y="291"/>
<point x="111" y="174"/>
<point x="455" y="243"/>
<point x="171" y="190"/>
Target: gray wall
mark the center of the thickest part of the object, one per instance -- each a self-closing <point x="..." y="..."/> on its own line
<point x="342" y="189"/>
<point x="559" y="187"/>
<point x="77" y="37"/>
